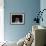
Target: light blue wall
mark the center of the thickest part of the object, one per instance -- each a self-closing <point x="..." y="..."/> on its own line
<point x="43" y="6"/>
<point x="15" y="32"/>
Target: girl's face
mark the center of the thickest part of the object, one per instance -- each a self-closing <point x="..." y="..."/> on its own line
<point x="17" y="19"/>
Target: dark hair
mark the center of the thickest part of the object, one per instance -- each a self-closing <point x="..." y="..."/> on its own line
<point x="16" y="16"/>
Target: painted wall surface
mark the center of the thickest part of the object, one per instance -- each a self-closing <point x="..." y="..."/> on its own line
<point x="15" y="32"/>
<point x="43" y="6"/>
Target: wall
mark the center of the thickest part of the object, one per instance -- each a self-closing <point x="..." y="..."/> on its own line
<point x="15" y="32"/>
<point x="43" y="6"/>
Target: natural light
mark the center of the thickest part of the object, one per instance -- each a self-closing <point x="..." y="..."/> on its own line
<point x="1" y="25"/>
<point x="1" y="21"/>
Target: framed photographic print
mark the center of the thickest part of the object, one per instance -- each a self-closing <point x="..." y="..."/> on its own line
<point x="17" y="18"/>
